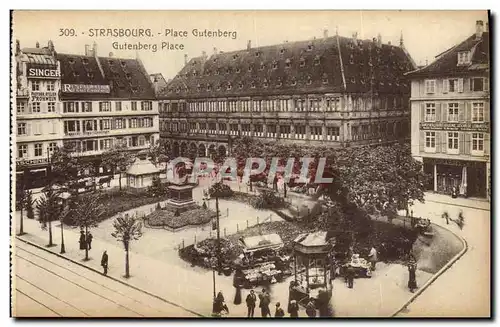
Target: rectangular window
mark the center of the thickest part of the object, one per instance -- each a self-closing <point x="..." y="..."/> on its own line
<point x="430" y="112"/>
<point x="464" y="58"/>
<point x="35" y="85"/>
<point x="285" y="131"/>
<point x="430" y="86"/>
<point x="133" y="123"/>
<point x="478" y="84"/>
<point x="316" y="132"/>
<point x="87" y="107"/>
<point x="430" y="140"/>
<point x="51" y="107"/>
<point x="134" y="106"/>
<point x="146" y="106"/>
<point x="119" y="123"/>
<point x="118" y="106"/>
<point x="105" y="144"/>
<point x="35" y="107"/>
<point x="51" y="86"/>
<point x="222" y="128"/>
<point x="332" y="104"/>
<point x="453" y="142"/>
<point x="105" y="124"/>
<point x="89" y="125"/>
<point x="70" y="107"/>
<point x="38" y="149"/>
<point x="21" y="129"/>
<point x="71" y="126"/>
<point x="104" y="106"/>
<point x="37" y="128"/>
<point x="21" y="107"/>
<point x="258" y="130"/>
<point x="453" y="85"/>
<point x="271" y="131"/>
<point x="333" y="133"/>
<point x="453" y="112"/>
<point x="54" y="127"/>
<point x="478" y="142"/>
<point x="477" y="112"/>
<point x="300" y="132"/>
<point x="52" y="147"/>
<point x="22" y="151"/>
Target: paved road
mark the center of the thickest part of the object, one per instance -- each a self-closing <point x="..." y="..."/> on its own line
<point x="464" y="289"/>
<point x="49" y="286"/>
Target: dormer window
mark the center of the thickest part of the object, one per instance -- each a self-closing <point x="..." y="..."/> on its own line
<point x="209" y="88"/>
<point x="229" y="86"/>
<point x="279" y="83"/>
<point x="464" y="58"/>
<point x="199" y="87"/>
<point x="177" y="90"/>
<point x="219" y="87"/>
<point x="111" y="62"/>
<point x="123" y="63"/>
<point x="194" y="72"/>
<point x="325" y="78"/>
<point x="288" y="63"/>
<point x="235" y="57"/>
<point x="257" y="54"/>
<point x="249" y="69"/>
<point x="265" y="84"/>
<point x="309" y="80"/>
<point x="275" y="65"/>
<point x="282" y="51"/>
<point x="228" y="71"/>
<point x="262" y="66"/>
<point x="85" y="61"/>
<point x="353" y="80"/>
<point x="240" y="85"/>
<point x="128" y="76"/>
<point x="310" y="47"/>
<point x="217" y="72"/>
<point x="252" y="85"/>
<point x="351" y="59"/>
<point x="316" y="61"/>
<point x="215" y="59"/>
<point x="302" y="62"/>
<point x="71" y="60"/>
<point x="238" y="70"/>
<point x="293" y="82"/>
<point x="90" y="75"/>
<point x="76" y="74"/>
<point x="193" y="63"/>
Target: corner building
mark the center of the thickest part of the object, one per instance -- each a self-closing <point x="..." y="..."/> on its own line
<point x="450" y="108"/>
<point x="333" y="90"/>
<point x="105" y="101"/>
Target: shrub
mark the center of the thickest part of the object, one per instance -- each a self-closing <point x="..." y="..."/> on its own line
<point x="268" y="199"/>
<point x="29" y="206"/>
<point x="158" y="206"/>
<point x="157" y="188"/>
<point x="220" y="190"/>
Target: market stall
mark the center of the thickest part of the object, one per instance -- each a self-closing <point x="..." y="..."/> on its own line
<point x="361" y="267"/>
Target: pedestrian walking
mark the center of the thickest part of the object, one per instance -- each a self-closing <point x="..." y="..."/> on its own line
<point x="279" y="313"/>
<point x="293" y="309"/>
<point x="104" y="262"/>
<point x="311" y="308"/>
<point x="82" y="241"/>
<point x="220" y="303"/>
<point x="412" y="278"/>
<point x="89" y="238"/>
<point x="265" y="300"/>
<point x="251" y="301"/>
<point x="350" y="276"/>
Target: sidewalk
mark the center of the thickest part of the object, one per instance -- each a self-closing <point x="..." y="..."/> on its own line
<point x="481" y="204"/>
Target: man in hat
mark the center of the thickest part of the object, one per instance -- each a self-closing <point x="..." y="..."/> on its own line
<point x="251" y="300"/>
<point x="265" y="300"/>
<point x="279" y="313"/>
<point x="293" y="309"/>
<point x="104" y="262"/>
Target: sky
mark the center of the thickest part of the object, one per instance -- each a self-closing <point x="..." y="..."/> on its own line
<point x="425" y="33"/>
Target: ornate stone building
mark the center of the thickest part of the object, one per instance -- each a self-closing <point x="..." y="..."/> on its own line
<point x="450" y="123"/>
<point x="339" y="90"/>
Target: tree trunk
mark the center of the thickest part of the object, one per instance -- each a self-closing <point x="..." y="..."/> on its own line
<point x="50" y="234"/>
<point x="127" y="268"/>
<point x="63" y="249"/>
<point x="21" y="225"/>
<point x="120" y="180"/>
<point x="86" y="245"/>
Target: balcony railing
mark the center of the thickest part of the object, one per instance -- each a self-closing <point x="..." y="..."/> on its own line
<point x="112" y="132"/>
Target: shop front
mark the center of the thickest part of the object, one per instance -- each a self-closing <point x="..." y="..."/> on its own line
<point x="458" y="178"/>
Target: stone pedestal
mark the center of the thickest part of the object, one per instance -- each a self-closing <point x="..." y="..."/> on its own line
<point x="180" y="197"/>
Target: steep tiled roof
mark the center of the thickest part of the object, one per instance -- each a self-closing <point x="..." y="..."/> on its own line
<point x="446" y="62"/>
<point x="296" y="67"/>
<point x="127" y="77"/>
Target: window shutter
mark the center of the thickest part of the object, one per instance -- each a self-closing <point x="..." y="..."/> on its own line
<point x="468" y="111"/>
<point x="461" y="111"/>
<point x="487" y="143"/>
<point x="486" y="111"/>
<point x="438" y="111"/>
<point x="486" y="84"/>
<point x="422" y="112"/>
<point x="467" y="143"/>
<point x="460" y="85"/>
<point x="461" y="144"/>
<point x="421" y="142"/>
<point x="28" y="129"/>
<point x="446" y="85"/>
<point x="444" y="111"/>
<point x="438" y="141"/>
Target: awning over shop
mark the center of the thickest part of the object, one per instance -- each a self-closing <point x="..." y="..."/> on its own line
<point x="261" y="242"/>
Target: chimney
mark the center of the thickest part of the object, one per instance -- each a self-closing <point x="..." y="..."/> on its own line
<point x="185" y="59"/>
<point x="401" y="44"/>
<point x="37" y="45"/>
<point x="325" y="33"/>
<point x="87" y="50"/>
<point x="479" y="29"/>
<point x="94" y="49"/>
<point x="51" y="46"/>
<point x="18" y="47"/>
<point x="215" y="51"/>
<point x="249" y="44"/>
<point x="379" y="39"/>
<point x="110" y="55"/>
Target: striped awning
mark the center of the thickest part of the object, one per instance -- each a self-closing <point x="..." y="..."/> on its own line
<point x="41" y="59"/>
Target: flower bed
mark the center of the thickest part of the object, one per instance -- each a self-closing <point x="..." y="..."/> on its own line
<point x="167" y="217"/>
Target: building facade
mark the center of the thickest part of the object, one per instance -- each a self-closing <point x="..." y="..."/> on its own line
<point x="99" y="102"/>
<point x="450" y="108"/>
<point x="37" y="102"/>
<point x="343" y="91"/>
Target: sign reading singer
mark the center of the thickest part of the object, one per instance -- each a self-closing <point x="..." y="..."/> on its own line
<point x="85" y="88"/>
<point x="36" y="72"/>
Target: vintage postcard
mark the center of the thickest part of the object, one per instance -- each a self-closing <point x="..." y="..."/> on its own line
<point x="250" y="164"/>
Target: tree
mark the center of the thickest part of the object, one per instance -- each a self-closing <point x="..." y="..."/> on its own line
<point x="64" y="166"/>
<point x="157" y="188"/>
<point x="22" y="197"/>
<point x="49" y="209"/>
<point x="119" y="158"/>
<point x="87" y="214"/>
<point x="159" y="152"/>
<point x="30" y="203"/>
<point x="127" y="229"/>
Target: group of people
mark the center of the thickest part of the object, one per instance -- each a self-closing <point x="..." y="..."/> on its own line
<point x="85" y="240"/>
<point x="265" y="301"/>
